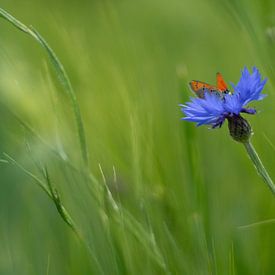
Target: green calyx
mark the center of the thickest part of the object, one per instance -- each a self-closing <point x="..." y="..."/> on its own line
<point x="239" y="128"/>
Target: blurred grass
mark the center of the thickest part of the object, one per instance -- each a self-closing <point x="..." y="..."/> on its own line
<point x="182" y="192"/>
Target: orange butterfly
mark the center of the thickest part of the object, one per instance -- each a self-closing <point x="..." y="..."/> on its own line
<point x="200" y="87"/>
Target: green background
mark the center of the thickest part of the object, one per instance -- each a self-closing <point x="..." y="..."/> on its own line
<point x="183" y="193"/>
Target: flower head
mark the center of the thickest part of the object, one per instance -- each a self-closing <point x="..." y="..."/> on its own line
<point x="213" y="109"/>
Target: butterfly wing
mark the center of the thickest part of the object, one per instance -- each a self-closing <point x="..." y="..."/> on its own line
<point x="221" y="85"/>
<point x="200" y="88"/>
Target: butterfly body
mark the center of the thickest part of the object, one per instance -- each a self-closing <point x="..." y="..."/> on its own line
<point x="200" y="88"/>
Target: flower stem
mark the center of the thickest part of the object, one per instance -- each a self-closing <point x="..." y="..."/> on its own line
<point x="259" y="165"/>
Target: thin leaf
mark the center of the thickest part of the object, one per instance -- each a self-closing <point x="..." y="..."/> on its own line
<point x="61" y="75"/>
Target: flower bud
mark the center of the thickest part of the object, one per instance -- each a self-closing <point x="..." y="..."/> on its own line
<point x="239" y="128"/>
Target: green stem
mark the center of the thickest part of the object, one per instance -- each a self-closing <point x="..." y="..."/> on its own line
<point x="259" y="166"/>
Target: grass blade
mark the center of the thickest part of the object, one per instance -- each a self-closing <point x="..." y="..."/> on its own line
<point x="61" y="75"/>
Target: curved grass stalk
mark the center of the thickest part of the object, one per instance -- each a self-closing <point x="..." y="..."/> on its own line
<point x="61" y="75"/>
<point x="53" y="194"/>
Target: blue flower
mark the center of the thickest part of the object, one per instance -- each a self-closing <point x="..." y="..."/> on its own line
<point x="213" y="109"/>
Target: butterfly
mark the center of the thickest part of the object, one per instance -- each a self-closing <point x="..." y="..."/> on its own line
<point x="200" y="88"/>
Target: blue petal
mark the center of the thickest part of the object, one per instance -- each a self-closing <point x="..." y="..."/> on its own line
<point x="233" y="103"/>
<point x="250" y="86"/>
<point x="208" y="110"/>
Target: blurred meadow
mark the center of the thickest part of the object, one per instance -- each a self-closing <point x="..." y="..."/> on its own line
<point x="157" y="195"/>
